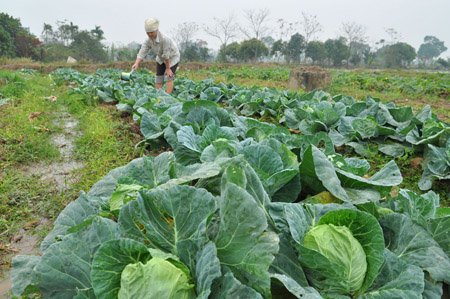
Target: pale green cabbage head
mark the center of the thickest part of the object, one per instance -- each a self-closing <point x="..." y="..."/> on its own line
<point x="156" y="279"/>
<point x="344" y="252"/>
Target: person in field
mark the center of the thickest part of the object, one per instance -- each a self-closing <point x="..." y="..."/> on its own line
<point x="166" y="51"/>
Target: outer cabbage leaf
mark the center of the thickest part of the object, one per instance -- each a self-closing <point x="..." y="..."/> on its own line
<point x="242" y="241"/>
<point x="415" y="245"/>
<point x="65" y="267"/>
<point x="109" y="262"/>
<point x="163" y="218"/>
<point x="397" y="279"/>
<point x="23" y="274"/>
<point x="229" y="287"/>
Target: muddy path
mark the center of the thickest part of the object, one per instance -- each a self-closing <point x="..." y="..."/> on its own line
<point x="60" y="174"/>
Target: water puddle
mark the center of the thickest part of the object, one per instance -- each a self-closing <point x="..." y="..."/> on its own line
<point x="60" y="175"/>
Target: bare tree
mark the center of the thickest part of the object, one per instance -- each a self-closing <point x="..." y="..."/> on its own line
<point x="224" y="29"/>
<point x="394" y="35"/>
<point x="354" y="33"/>
<point x="184" y="33"/>
<point x="311" y="27"/>
<point x="256" y="20"/>
<point x="287" y="29"/>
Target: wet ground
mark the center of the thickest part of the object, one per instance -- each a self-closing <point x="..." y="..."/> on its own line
<point x="58" y="173"/>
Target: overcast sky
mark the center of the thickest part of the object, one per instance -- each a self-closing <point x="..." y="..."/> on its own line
<point x="123" y="21"/>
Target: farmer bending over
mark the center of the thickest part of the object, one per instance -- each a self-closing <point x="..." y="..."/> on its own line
<point x="167" y="54"/>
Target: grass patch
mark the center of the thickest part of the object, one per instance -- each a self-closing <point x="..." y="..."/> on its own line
<point x="107" y="142"/>
<point x="28" y="122"/>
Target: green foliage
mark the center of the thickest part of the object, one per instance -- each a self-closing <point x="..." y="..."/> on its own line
<point x="56" y="52"/>
<point x="295" y="47"/>
<point x="195" y="52"/>
<point x="443" y="62"/>
<point x="88" y="46"/>
<point x="316" y="50"/>
<point x="6" y="43"/>
<point x="247" y="50"/>
<point x="10" y="24"/>
<point x="432" y="47"/>
<point x="28" y="45"/>
<point x="337" y="51"/>
<point x="14" y="41"/>
<point x="251" y="50"/>
<point x="225" y="210"/>
<point x="399" y="55"/>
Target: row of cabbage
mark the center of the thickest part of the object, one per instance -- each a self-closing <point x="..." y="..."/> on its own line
<point x="228" y="214"/>
<point x="368" y="127"/>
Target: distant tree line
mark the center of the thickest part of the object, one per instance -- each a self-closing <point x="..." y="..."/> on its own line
<point x="297" y="43"/>
<point x="15" y="41"/>
<point x="66" y="39"/>
<point x="253" y="41"/>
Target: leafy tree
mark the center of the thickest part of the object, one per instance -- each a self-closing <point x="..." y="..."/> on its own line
<point x="252" y="50"/>
<point x="443" y="62"/>
<point x="316" y="51"/>
<point x="14" y="41"/>
<point x="56" y="52"/>
<point x="6" y="43"/>
<point x="278" y="47"/>
<point x="10" y="24"/>
<point x="337" y="50"/>
<point x="295" y="47"/>
<point x="66" y="31"/>
<point x="268" y="41"/>
<point x="399" y="55"/>
<point x="359" y="52"/>
<point x="9" y="28"/>
<point x="47" y="32"/>
<point x="27" y="45"/>
<point x="195" y="52"/>
<point x="97" y="33"/>
<point x="124" y="53"/>
<point x="88" y="47"/>
<point x="431" y="48"/>
<point x="230" y="51"/>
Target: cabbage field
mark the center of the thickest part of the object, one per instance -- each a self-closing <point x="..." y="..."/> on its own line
<point x="256" y="193"/>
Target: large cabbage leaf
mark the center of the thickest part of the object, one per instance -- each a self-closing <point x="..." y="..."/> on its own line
<point x="243" y="242"/>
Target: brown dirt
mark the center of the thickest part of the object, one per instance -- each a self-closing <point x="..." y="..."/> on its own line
<point x="416" y="162"/>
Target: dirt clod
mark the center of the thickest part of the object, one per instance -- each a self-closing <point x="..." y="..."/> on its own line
<point x="30" y="225"/>
<point x="34" y="115"/>
<point x="416" y="162"/>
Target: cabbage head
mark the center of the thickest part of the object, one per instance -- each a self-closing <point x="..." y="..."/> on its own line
<point x="156" y="279"/>
<point x="344" y="252"/>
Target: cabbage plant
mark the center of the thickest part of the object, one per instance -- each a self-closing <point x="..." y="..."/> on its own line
<point x="342" y="253"/>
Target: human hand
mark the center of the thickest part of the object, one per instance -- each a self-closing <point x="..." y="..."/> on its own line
<point x="135" y="66"/>
<point x="169" y="73"/>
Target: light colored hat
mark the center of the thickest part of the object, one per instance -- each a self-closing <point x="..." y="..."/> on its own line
<point x="151" y="25"/>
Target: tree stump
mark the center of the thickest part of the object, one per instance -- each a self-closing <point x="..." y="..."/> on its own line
<point x="309" y="78"/>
